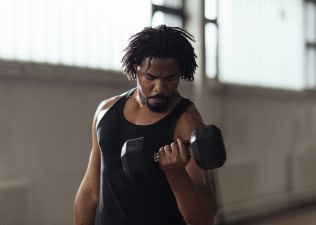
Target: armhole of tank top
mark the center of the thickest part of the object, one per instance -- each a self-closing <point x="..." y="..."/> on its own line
<point x="123" y="97"/>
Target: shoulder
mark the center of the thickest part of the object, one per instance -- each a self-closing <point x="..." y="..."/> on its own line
<point x="107" y="103"/>
<point x="104" y="106"/>
<point x="187" y="122"/>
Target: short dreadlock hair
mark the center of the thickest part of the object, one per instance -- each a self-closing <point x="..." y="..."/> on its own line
<point x="162" y="42"/>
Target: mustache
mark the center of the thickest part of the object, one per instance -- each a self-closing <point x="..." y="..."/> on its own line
<point x="158" y="96"/>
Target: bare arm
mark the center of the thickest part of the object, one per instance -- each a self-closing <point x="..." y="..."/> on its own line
<point x="88" y="193"/>
<point x="87" y="196"/>
<point x="193" y="187"/>
<point x="195" y="195"/>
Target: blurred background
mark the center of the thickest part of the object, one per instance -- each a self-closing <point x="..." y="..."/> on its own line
<point x="256" y="80"/>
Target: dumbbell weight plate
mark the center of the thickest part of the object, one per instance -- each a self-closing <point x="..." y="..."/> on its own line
<point x="133" y="157"/>
<point x="208" y="147"/>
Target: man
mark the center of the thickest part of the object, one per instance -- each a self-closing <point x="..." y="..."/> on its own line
<point x="178" y="191"/>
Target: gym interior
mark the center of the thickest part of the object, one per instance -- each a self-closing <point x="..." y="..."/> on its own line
<point x="256" y="80"/>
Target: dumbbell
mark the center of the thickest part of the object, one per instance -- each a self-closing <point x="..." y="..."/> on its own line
<point x="206" y="146"/>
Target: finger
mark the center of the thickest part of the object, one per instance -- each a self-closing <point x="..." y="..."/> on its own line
<point x="161" y="151"/>
<point x="167" y="149"/>
<point x="182" y="146"/>
<point x="175" y="147"/>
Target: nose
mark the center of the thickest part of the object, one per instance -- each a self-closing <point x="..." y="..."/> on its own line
<point x="160" y="86"/>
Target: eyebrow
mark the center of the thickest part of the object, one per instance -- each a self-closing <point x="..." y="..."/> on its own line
<point x="152" y="75"/>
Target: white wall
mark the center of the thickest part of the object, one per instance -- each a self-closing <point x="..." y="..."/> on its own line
<point x="45" y="119"/>
<point x="270" y="141"/>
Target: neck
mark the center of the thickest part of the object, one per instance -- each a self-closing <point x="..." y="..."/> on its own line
<point x="140" y="98"/>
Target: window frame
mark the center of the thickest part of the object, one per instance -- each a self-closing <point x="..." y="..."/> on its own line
<point x="216" y="25"/>
<point x="309" y="46"/>
<point x="173" y="11"/>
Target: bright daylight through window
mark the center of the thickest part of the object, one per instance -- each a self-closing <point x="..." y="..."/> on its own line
<point x="71" y="32"/>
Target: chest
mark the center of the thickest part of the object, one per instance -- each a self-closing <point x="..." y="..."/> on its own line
<point x="114" y="130"/>
<point x="141" y="115"/>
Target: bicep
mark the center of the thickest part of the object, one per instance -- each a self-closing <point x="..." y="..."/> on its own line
<point x="188" y="121"/>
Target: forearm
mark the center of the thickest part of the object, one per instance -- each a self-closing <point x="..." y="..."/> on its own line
<point x="196" y="204"/>
<point x="84" y="208"/>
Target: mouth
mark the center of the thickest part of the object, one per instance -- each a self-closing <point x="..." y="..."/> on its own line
<point x="158" y="100"/>
<point x="157" y="103"/>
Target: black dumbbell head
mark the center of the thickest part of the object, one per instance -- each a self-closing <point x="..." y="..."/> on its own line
<point x="132" y="157"/>
<point x="208" y="147"/>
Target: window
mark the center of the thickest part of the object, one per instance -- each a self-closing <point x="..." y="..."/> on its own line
<point x="71" y="32"/>
<point x="252" y="42"/>
<point x="211" y="38"/>
<point x="169" y="12"/>
<point x="261" y="43"/>
<point x="255" y="42"/>
<point x="310" y="43"/>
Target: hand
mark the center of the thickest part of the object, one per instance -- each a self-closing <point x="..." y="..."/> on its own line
<point x="174" y="157"/>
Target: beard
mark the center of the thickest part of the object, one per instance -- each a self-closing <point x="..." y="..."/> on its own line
<point x="159" y="102"/>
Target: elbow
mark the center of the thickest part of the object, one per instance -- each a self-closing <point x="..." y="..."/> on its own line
<point x="207" y="218"/>
<point x="84" y="208"/>
<point x="86" y="195"/>
<point x="84" y="204"/>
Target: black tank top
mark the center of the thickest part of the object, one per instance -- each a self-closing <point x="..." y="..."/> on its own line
<point x="145" y="201"/>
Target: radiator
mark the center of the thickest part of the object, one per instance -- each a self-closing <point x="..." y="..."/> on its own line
<point x="14" y="202"/>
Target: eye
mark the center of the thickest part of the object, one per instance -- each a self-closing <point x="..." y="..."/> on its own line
<point x="149" y="77"/>
<point x="171" y="78"/>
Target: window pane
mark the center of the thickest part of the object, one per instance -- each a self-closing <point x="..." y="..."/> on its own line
<point x="261" y="43"/>
<point x="210" y="9"/>
<point x="211" y="49"/>
<point x="169" y="3"/>
<point x="71" y="32"/>
<point x="311" y="68"/>
<point x="7" y="27"/>
<point x="168" y="19"/>
<point x="310" y="21"/>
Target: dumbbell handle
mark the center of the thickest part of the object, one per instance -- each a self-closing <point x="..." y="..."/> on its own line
<point x="156" y="154"/>
<point x="206" y="145"/>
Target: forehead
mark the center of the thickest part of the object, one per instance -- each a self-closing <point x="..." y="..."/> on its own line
<point x="159" y="65"/>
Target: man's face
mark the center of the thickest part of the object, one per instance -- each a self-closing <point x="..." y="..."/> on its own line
<point x="157" y="82"/>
